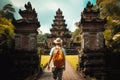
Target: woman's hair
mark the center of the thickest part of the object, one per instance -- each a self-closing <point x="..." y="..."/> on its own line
<point x="59" y="44"/>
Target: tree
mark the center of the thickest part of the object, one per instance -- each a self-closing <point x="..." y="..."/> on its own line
<point x="6" y="27"/>
<point x="42" y="37"/>
<point x="112" y="35"/>
<point x="76" y="33"/>
<point x="7" y="11"/>
<point x="110" y="8"/>
<point x="6" y="34"/>
<point x="6" y="46"/>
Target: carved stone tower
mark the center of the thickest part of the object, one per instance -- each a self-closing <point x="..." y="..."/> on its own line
<point x="59" y="30"/>
<point x="91" y="57"/>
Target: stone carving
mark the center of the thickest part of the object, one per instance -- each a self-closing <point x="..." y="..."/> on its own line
<point x="86" y="40"/>
<point x="100" y="40"/>
<point x="32" y="42"/>
<point x="18" y="40"/>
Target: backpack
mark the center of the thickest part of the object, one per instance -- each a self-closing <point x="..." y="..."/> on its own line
<point x="58" y="57"/>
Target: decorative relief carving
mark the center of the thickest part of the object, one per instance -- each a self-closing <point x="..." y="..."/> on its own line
<point x="32" y="42"/>
<point x="82" y="41"/>
<point x="93" y="42"/>
<point x="25" y="43"/>
<point x="100" y="40"/>
<point x="86" y="40"/>
<point x="18" y="41"/>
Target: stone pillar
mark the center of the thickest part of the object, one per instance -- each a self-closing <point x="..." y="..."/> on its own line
<point x="91" y="56"/>
<point x="26" y="59"/>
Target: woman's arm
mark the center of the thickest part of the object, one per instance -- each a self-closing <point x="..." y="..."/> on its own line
<point x="51" y="55"/>
<point x="49" y="62"/>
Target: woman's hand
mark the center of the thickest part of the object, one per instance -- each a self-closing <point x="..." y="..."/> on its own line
<point x="64" y="68"/>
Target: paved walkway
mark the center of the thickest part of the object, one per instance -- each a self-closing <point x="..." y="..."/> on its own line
<point x="69" y="74"/>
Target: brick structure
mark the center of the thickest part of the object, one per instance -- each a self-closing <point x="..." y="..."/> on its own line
<point x="59" y="29"/>
<point x="91" y="56"/>
<point x="26" y="43"/>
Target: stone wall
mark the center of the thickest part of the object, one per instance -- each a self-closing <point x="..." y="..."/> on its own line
<point x="92" y="63"/>
<point x="25" y="64"/>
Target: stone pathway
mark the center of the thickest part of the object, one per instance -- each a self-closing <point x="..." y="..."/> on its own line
<point x="69" y="74"/>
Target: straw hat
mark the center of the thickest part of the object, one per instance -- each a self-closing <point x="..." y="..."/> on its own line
<point x="58" y="41"/>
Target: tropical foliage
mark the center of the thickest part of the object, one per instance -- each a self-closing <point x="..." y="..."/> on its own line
<point x="112" y="36"/>
<point x="111" y="10"/>
<point x="6" y="33"/>
<point x="76" y="33"/>
<point x="7" y="11"/>
<point x="6" y="28"/>
<point x="42" y="37"/>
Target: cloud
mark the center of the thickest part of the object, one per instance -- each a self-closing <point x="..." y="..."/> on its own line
<point x="46" y="10"/>
<point x="51" y="6"/>
<point x="45" y="28"/>
<point x="18" y="3"/>
<point x="70" y="10"/>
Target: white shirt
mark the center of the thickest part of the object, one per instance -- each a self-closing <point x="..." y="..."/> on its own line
<point x="52" y="50"/>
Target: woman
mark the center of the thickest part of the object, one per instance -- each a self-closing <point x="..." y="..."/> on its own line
<point x="57" y="67"/>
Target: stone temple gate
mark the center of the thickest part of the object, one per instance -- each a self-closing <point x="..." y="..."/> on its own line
<point x="91" y="56"/>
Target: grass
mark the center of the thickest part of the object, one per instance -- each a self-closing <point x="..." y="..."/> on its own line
<point x="73" y="60"/>
<point x="44" y="60"/>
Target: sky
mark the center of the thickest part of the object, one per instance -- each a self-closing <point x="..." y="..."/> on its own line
<point x="46" y="10"/>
